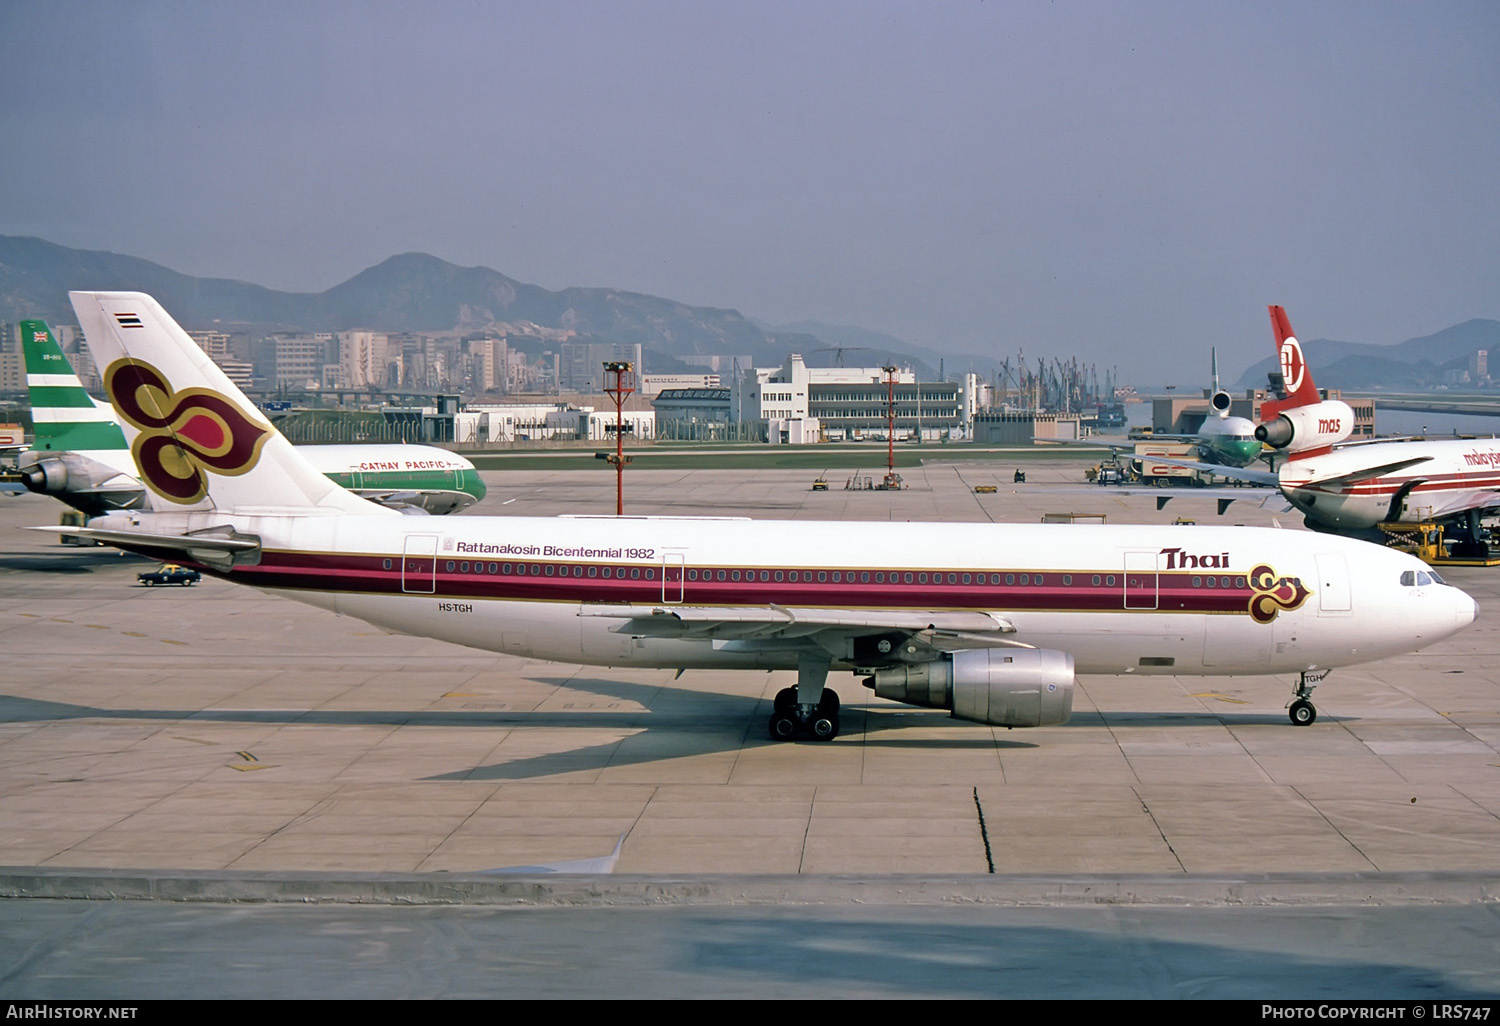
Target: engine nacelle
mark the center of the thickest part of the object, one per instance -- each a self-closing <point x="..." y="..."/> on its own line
<point x="1308" y="427"/>
<point x="1007" y="687"/>
<point x="46" y="477"/>
<point x="1220" y="402"/>
<point x="83" y="483"/>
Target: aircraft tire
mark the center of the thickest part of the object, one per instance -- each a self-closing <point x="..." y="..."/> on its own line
<point x="783" y="726"/>
<point x="785" y="700"/>
<point x="1302" y="713"/>
<point x="824" y="727"/>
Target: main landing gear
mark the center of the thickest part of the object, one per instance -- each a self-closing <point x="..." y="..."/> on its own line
<point x="791" y="720"/>
<point x="1301" y="711"/>
<point x="808" y="710"/>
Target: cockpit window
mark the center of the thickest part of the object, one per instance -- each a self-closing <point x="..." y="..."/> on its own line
<point x="1435" y="578"/>
<point x="1408" y="578"/>
<point x="1423" y="578"/>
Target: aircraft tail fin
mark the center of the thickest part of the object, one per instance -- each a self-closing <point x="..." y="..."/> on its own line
<point x="66" y="417"/>
<point x="200" y="444"/>
<point x="1297" y="379"/>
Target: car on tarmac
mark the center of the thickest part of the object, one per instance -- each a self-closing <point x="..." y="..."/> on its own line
<point x="169" y="573"/>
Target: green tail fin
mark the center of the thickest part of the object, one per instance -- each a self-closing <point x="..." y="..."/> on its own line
<point x="65" y="417"/>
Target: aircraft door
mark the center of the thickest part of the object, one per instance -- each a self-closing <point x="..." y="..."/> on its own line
<point x="419" y="564"/>
<point x="673" y="564"/>
<point x="1334" y="598"/>
<point x="1140" y="580"/>
<point x="356" y="481"/>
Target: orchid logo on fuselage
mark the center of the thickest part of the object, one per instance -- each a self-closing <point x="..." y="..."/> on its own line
<point x="1271" y="594"/>
<point x="182" y="434"/>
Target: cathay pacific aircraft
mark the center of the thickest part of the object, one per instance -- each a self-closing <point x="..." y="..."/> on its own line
<point x="80" y="453"/>
<point x="989" y="621"/>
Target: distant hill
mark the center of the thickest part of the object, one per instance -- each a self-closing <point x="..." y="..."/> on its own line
<point x="411" y="292"/>
<point x="1415" y="363"/>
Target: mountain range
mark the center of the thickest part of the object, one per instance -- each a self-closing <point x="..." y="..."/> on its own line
<point x="1414" y="364"/>
<point x="412" y="292"/>
<point x="416" y="292"/>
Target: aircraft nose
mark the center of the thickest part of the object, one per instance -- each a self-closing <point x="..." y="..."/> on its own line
<point x="1465" y="609"/>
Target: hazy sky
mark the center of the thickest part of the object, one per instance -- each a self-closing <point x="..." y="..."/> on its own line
<point x="1129" y="182"/>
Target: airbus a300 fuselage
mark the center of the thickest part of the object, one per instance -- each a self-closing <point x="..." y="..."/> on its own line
<point x="632" y="591"/>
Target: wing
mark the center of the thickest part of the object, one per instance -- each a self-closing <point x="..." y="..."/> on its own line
<point x="1365" y="473"/>
<point x="1261" y="477"/>
<point x="1266" y="497"/>
<point x="834" y="630"/>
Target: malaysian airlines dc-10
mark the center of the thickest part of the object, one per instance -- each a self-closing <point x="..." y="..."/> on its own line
<point x="989" y="621"/>
<point x="1350" y="487"/>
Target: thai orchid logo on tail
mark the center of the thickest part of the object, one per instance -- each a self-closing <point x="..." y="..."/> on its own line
<point x="182" y="434"/>
<point x="1271" y="594"/>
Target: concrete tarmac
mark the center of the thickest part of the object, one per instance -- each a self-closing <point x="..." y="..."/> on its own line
<point x="218" y="730"/>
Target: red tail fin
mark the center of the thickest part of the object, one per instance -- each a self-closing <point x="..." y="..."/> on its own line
<point x="1294" y="370"/>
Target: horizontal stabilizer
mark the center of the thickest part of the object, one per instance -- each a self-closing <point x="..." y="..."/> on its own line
<point x="219" y="547"/>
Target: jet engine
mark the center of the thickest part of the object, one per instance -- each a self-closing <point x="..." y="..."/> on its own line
<point x="1008" y="687"/>
<point x="1220" y="402"/>
<point x="1308" y="427"/>
<point x="82" y="483"/>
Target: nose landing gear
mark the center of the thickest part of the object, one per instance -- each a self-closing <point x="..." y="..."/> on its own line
<point x="1301" y="712"/>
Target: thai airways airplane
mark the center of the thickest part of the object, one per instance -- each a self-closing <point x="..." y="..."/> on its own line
<point x="80" y="453"/>
<point x="1349" y="487"/>
<point x="990" y="621"/>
